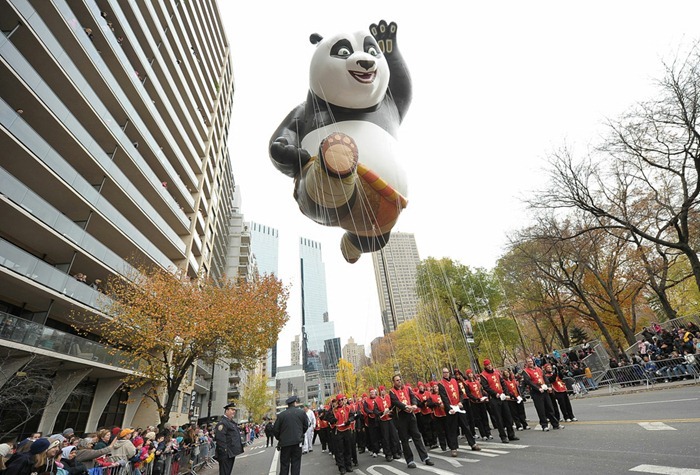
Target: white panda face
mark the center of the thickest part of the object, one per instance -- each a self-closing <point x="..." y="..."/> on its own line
<point x="349" y="71"/>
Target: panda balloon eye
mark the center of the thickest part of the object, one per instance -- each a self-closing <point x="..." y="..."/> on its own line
<point x="373" y="51"/>
<point x="344" y="52"/>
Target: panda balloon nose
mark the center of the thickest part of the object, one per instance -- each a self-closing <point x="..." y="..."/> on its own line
<point x="366" y="64"/>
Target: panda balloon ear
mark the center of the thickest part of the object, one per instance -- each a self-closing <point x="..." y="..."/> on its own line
<point x="315" y="38"/>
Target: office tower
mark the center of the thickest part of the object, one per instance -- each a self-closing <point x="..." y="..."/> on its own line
<point x="331" y="353"/>
<point x="114" y="146"/>
<point x="316" y="327"/>
<point x="354" y="353"/>
<point x="395" y="271"/>
<point x="265" y="246"/>
<point x="296" y="350"/>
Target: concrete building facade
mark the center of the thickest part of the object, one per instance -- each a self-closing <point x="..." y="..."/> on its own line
<point x="354" y="353"/>
<point x="114" y="119"/>
<point x="395" y="271"/>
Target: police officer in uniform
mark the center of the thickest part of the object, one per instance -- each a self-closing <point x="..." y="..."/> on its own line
<point x="228" y="440"/>
<point x="289" y="429"/>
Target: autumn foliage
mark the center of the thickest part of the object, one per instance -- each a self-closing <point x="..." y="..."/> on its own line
<point x="165" y="322"/>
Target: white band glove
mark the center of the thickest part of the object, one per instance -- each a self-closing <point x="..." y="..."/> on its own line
<point x="503" y="396"/>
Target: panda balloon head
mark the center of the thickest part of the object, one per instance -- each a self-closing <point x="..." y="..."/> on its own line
<point x="340" y="145"/>
<point x="349" y="70"/>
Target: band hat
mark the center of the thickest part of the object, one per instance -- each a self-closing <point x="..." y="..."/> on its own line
<point x="487" y="362"/>
<point x="340" y="396"/>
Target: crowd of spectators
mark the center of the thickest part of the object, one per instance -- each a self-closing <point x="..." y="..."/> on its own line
<point x="570" y="366"/>
<point x="137" y="451"/>
<point x="663" y="354"/>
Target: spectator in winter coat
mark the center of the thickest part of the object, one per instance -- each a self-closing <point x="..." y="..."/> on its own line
<point x="123" y="448"/>
<point x="86" y="454"/>
<point x="31" y="461"/>
<point x="69" y="463"/>
<point x="104" y="438"/>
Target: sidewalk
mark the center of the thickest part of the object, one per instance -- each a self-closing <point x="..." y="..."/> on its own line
<point x="608" y="390"/>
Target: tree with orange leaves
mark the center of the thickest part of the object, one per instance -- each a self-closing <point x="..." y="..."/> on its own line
<point x="164" y="322"/>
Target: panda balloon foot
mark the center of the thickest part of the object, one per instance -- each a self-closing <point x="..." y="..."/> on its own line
<point x="339" y="155"/>
<point x="350" y="252"/>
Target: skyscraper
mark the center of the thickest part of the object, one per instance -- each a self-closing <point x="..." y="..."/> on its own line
<point x="296" y="350"/>
<point x="354" y="353"/>
<point x="395" y="271"/>
<point x="265" y="247"/>
<point x="316" y="327"/>
<point x="114" y="121"/>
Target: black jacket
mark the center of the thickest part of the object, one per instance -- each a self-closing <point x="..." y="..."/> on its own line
<point x="290" y="426"/>
<point x="228" y="439"/>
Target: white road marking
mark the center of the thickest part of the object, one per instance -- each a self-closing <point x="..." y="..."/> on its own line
<point x="502" y="446"/>
<point x="655" y="426"/>
<point x="451" y="460"/>
<point x="494" y="451"/>
<point x="483" y="453"/>
<point x="665" y="470"/>
<point x="649" y="402"/>
<point x="373" y="470"/>
<point x="273" y="465"/>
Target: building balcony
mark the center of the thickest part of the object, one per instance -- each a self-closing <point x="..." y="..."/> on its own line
<point x="25" y="332"/>
<point x="201" y="385"/>
<point x="23" y="263"/>
<point x="204" y="369"/>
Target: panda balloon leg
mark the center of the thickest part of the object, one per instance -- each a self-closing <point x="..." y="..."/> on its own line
<point x="329" y="179"/>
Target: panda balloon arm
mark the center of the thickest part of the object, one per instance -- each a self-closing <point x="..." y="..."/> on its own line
<point x="400" y="85"/>
<point x="285" y="150"/>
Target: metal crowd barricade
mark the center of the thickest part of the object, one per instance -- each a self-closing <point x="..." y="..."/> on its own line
<point x="185" y="461"/>
<point x="672" y="369"/>
<point x="666" y="370"/>
<point x="625" y="376"/>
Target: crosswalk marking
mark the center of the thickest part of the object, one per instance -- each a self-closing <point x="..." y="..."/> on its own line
<point x="503" y="446"/>
<point x="655" y="426"/>
<point x="665" y="470"/>
<point x="451" y="460"/>
<point x="398" y="471"/>
<point x="494" y="451"/>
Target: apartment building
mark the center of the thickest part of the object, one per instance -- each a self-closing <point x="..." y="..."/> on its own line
<point x="114" y="117"/>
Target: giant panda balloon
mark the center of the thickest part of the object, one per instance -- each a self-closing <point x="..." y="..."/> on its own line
<point x="340" y="145"/>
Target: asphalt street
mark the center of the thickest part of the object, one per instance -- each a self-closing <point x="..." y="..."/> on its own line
<point x="633" y="432"/>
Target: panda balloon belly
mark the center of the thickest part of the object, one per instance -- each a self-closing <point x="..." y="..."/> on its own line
<point x="378" y="150"/>
<point x="364" y="197"/>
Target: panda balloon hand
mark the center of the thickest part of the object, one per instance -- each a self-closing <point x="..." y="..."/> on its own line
<point x="385" y="35"/>
<point x="285" y="153"/>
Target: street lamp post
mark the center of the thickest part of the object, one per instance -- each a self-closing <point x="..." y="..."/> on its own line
<point x="470" y="351"/>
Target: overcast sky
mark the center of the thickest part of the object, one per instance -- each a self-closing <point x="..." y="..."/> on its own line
<point x="496" y="86"/>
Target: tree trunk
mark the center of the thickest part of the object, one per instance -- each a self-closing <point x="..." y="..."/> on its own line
<point x="596" y="318"/>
